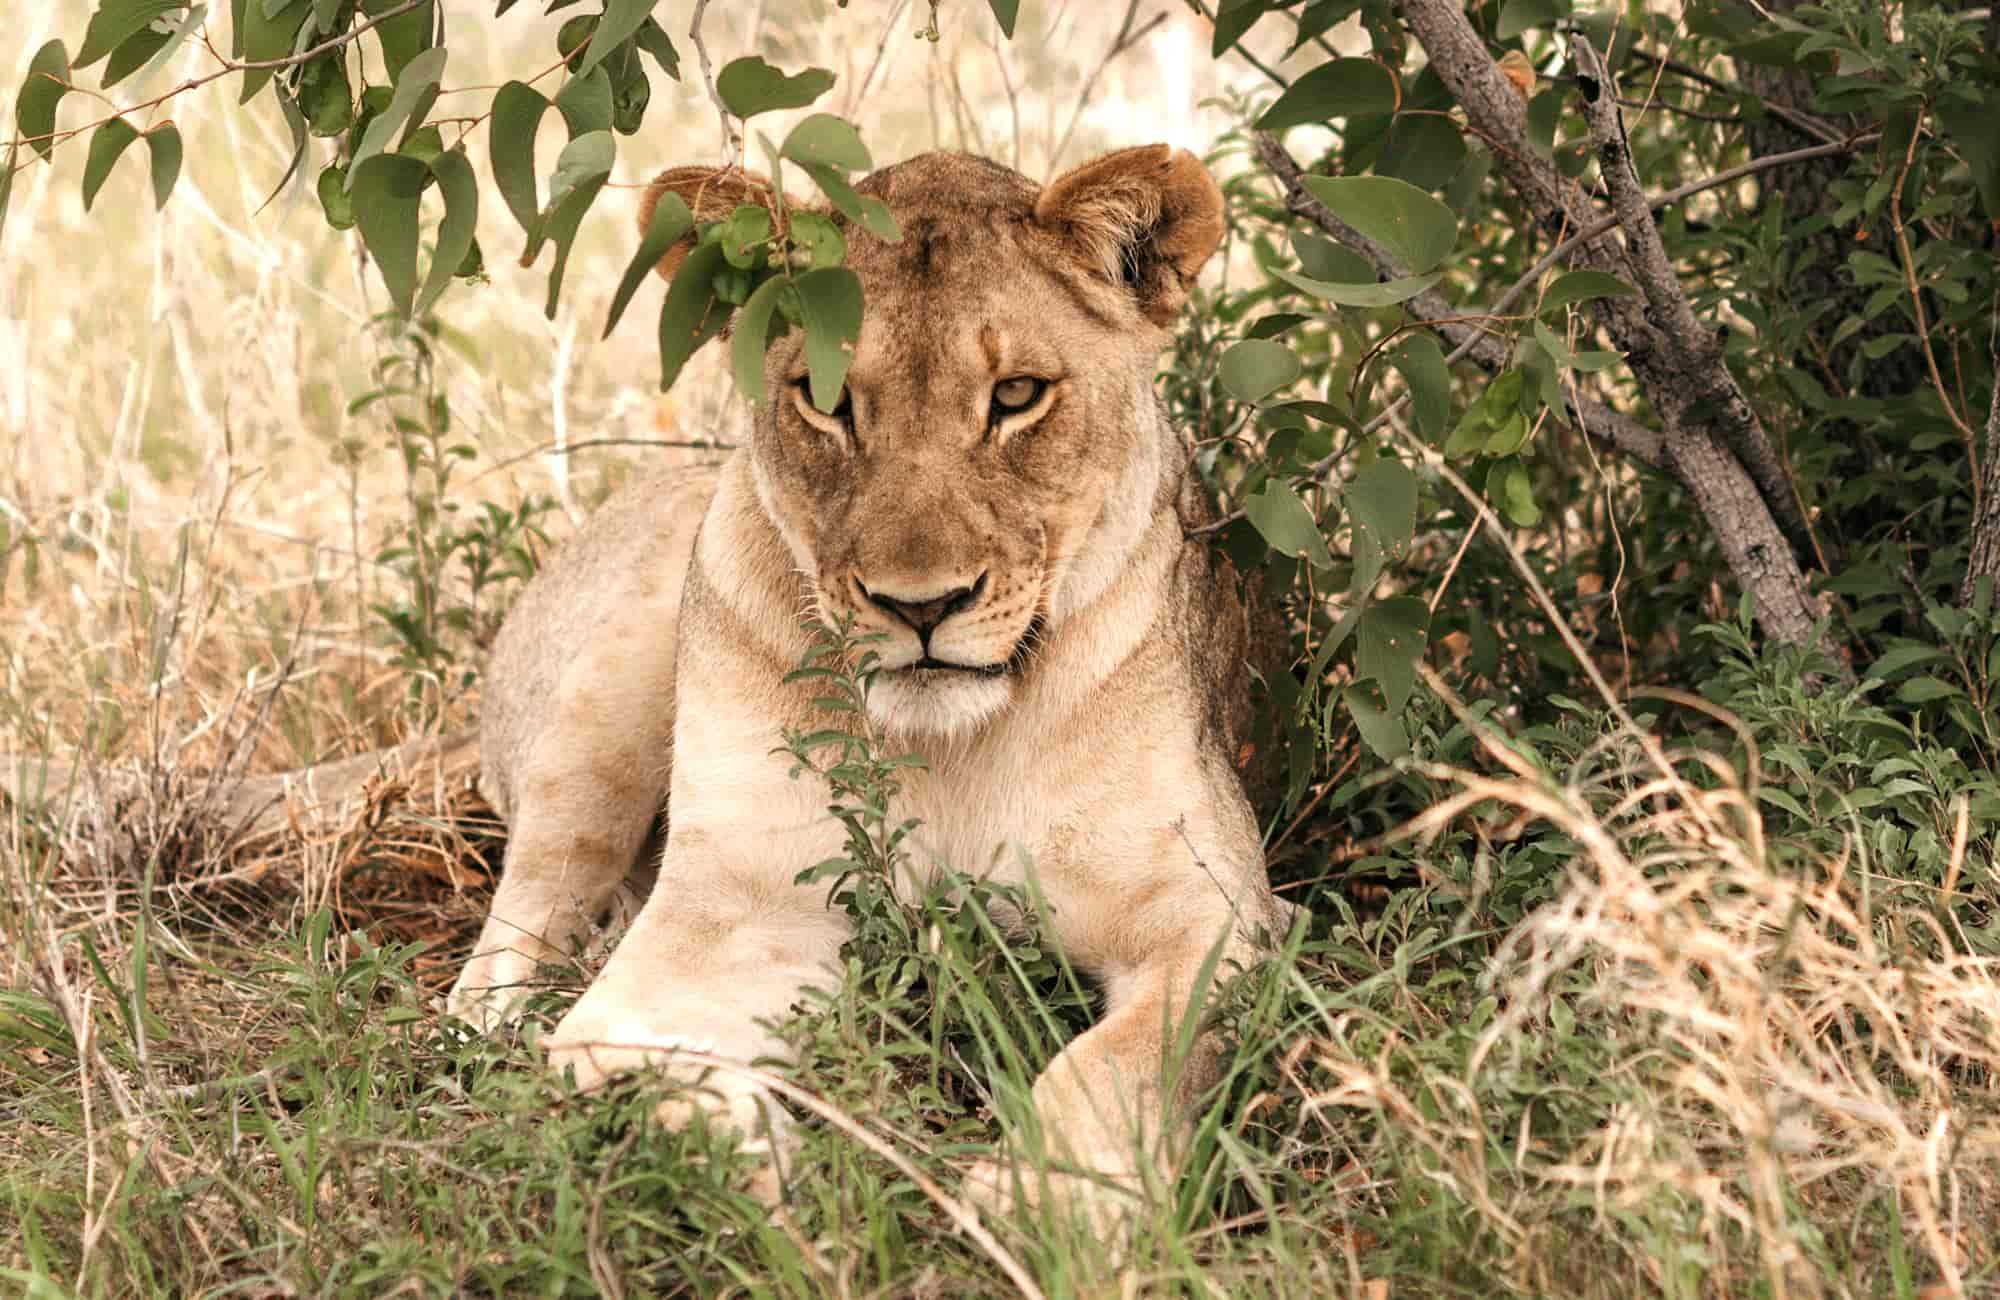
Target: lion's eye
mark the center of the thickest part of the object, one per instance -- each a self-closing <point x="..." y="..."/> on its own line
<point x="840" y="421"/>
<point x="1013" y="396"/>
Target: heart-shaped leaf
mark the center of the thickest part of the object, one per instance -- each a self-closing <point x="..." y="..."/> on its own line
<point x="750" y="86"/>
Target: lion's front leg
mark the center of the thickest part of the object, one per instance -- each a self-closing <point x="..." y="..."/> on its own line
<point x="1114" y="1108"/>
<point x="693" y="990"/>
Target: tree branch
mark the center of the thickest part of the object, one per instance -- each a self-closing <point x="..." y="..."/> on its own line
<point x="1692" y="348"/>
<point x="1984" y="561"/>
<point x="1469" y="339"/>
<point x="1742" y="519"/>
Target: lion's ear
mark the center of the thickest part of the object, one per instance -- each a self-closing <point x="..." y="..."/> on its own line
<point x="1148" y="218"/>
<point x="711" y="193"/>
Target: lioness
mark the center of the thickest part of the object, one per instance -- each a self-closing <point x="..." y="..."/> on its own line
<point x="998" y="495"/>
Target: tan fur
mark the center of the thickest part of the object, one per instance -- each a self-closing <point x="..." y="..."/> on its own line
<point x="1099" y="762"/>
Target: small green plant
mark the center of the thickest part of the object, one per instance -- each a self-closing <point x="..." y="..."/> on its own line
<point x="436" y="624"/>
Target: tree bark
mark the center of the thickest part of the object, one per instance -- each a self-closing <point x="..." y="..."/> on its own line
<point x="1727" y="464"/>
<point x="1984" y="559"/>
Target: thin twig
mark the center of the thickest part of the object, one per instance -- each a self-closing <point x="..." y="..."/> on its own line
<point x="1126" y="38"/>
<point x="732" y="143"/>
<point x="1909" y="265"/>
<point x="570" y="449"/>
<point x="1804" y="123"/>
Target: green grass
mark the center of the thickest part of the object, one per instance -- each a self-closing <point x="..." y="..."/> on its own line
<point x="1689" y="1073"/>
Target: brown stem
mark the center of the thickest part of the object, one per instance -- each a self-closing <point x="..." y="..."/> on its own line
<point x="1909" y="266"/>
<point x="1984" y="561"/>
<point x="1692" y="350"/>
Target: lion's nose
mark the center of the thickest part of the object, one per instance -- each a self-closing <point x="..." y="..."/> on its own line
<point x="922" y="613"/>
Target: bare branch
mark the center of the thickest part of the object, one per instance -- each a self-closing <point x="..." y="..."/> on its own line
<point x="1984" y="561"/>
<point x="732" y="142"/>
<point x="1693" y="349"/>
<point x="1127" y="37"/>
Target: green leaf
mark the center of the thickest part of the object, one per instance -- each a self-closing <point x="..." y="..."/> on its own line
<point x="1233" y="18"/>
<point x="1922" y="690"/>
<point x="825" y="139"/>
<point x="404" y="37"/>
<point x="1255" y="368"/>
<point x="1419" y="359"/>
<point x="295" y="122"/>
<point x="745" y="234"/>
<point x="752" y="337"/>
<point x="517" y="114"/>
<point x="1424" y="149"/>
<point x="1382" y="500"/>
<point x="415" y="92"/>
<point x="384" y="190"/>
<point x="1581" y="286"/>
<point x="565" y="215"/>
<point x="1976" y="133"/>
<point x="1510" y="434"/>
<point x="163" y="142"/>
<point x="671" y="220"/>
<point x="1509" y="486"/>
<point x="118" y="20"/>
<point x="1559" y="352"/>
<point x="35" y="107"/>
<point x="585" y="103"/>
<point x="1517" y="16"/>
<point x="1004" y="13"/>
<point x="1322" y="259"/>
<point x="653" y="40"/>
<point x="460" y="188"/>
<point x="325" y="96"/>
<point x="1469" y="434"/>
<point x="750" y="86"/>
<point x="1381" y="730"/>
<point x="149" y="50"/>
<point x="1283" y="520"/>
<point x="1388" y="642"/>
<point x="830" y="310"/>
<point x="107" y="144"/>
<point x="263" y="37"/>
<point x="334" y="200"/>
<point x="621" y="19"/>
<point x="1417" y="228"/>
<point x="581" y="171"/>
<point x="1907" y="655"/>
<point x="690" y="315"/>
<point x="865" y="209"/>
<point x="1337" y="88"/>
<point x="820" y="239"/>
<point x="1386" y="294"/>
<point x="1544" y="113"/>
<point x="581" y="159"/>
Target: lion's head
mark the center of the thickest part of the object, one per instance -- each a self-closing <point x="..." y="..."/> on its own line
<point x="998" y="451"/>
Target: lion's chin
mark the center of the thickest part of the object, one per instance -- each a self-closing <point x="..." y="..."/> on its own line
<point x="943" y="704"/>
